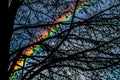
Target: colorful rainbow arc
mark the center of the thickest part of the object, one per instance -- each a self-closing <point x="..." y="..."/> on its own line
<point x="33" y="49"/>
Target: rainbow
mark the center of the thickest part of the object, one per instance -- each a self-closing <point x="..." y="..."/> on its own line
<point x="45" y="34"/>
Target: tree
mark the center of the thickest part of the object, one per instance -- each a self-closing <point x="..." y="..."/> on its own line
<point x="64" y="39"/>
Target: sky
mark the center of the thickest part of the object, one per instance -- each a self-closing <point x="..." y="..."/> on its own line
<point x="55" y="30"/>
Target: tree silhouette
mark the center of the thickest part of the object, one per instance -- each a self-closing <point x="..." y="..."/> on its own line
<point x="44" y="46"/>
